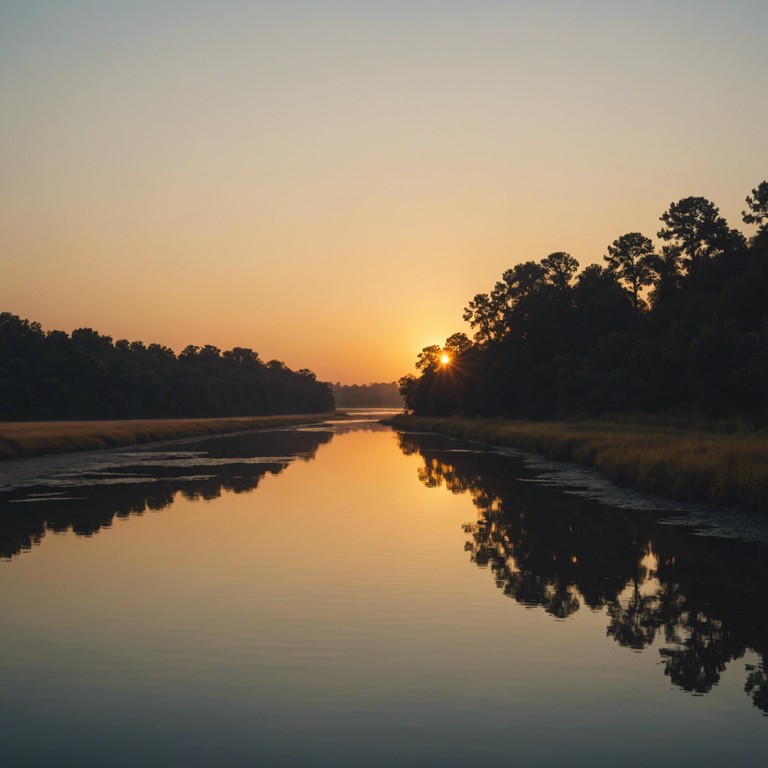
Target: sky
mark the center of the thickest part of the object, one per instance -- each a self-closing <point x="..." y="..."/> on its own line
<point x="330" y="182"/>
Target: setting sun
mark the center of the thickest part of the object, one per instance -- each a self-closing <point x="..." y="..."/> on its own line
<point x="444" y="359"/>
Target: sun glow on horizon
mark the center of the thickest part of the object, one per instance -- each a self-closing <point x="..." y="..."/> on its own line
<point x="288" y="177"/>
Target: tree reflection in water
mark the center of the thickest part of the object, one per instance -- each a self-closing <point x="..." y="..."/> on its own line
<point x="703" y="597"/>
<point x="148" y="480"/>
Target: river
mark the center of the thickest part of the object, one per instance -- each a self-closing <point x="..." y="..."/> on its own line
<point x="346" y="595"/>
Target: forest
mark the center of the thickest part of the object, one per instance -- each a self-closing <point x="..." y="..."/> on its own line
<point x="55" y="375"/>
<point x="681" y="325"/>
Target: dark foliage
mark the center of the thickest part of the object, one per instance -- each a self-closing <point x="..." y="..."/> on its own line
<point x="85" y="375"/>
<point x="553" y="343"/>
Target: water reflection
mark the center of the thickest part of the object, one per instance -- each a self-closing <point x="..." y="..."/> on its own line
<point x="702" y="598"/>
<point x="84" y="493"/>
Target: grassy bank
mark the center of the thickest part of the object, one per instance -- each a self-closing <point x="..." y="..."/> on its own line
<point x="25" y="439"/>
<point x="695" y="465"/>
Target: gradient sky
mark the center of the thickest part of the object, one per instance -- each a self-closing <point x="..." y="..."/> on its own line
<point x="330" y="182"/>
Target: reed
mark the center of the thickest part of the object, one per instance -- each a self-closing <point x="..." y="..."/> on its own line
<point x="25" y="439"/>
<point x="725" y="468"/>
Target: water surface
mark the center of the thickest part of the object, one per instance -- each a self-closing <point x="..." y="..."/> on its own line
<point x="347" y="595"/>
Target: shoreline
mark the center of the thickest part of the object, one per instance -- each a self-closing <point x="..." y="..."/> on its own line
<point x="685" y="464"/>
<point x="29" y="439"/>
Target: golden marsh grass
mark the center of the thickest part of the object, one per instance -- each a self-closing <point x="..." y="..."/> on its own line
<point x="723" y="469"/>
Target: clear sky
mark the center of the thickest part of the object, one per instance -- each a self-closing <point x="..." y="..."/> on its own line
<point x="330" y="182"/>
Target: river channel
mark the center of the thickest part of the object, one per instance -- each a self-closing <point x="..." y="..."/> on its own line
<point x="347" y="595"/>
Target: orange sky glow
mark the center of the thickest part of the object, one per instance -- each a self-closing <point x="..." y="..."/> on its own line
<point x="330" y="183"/>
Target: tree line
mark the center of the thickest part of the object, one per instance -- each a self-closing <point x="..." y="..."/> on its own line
<point x="55" y="375"/>
<point x="381" y="394"/>
<point x="652" y="329"/>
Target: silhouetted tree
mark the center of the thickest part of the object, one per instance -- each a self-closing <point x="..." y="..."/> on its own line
<point x="560" y="267"/>
<point x="456" y="344"/>
<point x="549" y="341"/>
<point x="694" y="227"/>
<point x="631" y="258"/>
<point x="429" y="358"/>
<point x="758" y="206"/>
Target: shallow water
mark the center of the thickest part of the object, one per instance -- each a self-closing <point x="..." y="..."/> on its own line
<point x="347" y="595"/>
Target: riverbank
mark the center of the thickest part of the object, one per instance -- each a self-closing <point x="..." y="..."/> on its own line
<point x="24" y="439"/>
<point x="688" y="464"/>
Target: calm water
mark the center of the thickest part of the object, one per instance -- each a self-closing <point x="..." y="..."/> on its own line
<point x="349" y="596"/>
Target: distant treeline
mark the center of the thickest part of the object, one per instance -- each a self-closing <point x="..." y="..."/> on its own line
<point x="681" y="327"/>
<point x="54" y="375"/>
<point x="367" y="395"/>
